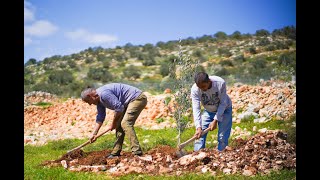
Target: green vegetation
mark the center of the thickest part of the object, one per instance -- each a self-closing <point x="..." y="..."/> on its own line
<point x="159" y="120"/>
<point x="35" y="155"/>
<point x="237" y="57"/>
<point x="43" y="104"/>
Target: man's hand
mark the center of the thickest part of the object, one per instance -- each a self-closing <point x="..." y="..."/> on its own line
<point x="198" y="133"/>
<point x="213" y="125"/>
<point x="93" y="138"/>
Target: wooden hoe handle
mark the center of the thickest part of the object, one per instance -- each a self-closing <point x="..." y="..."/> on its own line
<point x="182" y="145"/>
<point x="88" y="142"/>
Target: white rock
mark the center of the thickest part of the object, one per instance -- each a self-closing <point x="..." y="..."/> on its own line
<point x="204" y="169"/>
<point x="146" y="158"/>
<point x="263" y="130"/>
<point x="64" y="164"/>
<point x="226" y="170"/>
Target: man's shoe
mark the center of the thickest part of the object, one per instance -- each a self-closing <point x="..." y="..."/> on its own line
<point x="112" y="156"/>
<point x="138" y="154"/>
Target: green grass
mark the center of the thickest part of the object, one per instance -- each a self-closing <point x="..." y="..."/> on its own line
<point x="43" y="104"/>
<point x="35" y="155"/>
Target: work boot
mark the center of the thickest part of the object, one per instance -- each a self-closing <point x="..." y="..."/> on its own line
<point x="138" y="153"/>
<point x="113" y="156"/>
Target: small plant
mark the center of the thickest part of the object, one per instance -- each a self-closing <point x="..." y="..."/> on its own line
<point x="182" y="71"/>
<point x="43" y="104"/>
<point x="240" y="110"/>
<point x="167" y="100"/>
<point x="248" y="119"/>
<point x="159" y="120"/>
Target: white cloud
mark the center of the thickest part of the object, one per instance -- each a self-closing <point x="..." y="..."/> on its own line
<point x="40" y="28"/>
<point x="83" y="35"/>
<point x="28" y="12"/>
<point x="78" y="34"/>
<point x="27" y="41"/>
<point x="28" y="15"/>
<point x="33" y="27"/>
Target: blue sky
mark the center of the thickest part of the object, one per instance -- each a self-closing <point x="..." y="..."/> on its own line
<point x="64" y="27"/>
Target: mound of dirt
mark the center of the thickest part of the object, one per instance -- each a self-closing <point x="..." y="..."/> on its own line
<point x="259" y="154"/>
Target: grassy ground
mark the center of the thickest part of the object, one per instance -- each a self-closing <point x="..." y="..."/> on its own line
<point x="35" y="155"/>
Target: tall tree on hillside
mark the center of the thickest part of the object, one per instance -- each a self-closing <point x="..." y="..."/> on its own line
<point x="31" y="62"/>
<point x="221" y="35"/>
<point x="160" y="44"/>
<point x="287" y="31"/>
<point x="205" y="38"/>
<point x="236" y="35"/>
<point x="262" y="32"/>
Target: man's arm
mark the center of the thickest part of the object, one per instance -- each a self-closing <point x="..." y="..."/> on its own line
<point x="196" y="112"/>
<point x="99" y="121"/>
<point x="92" y="138"/>
<point x="116" y="118"/>
<point x="213" y="125"/>
<point x="223" y="102"/>
<point x="96" y="128"/>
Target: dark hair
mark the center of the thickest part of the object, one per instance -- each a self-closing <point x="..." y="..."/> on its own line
<point x="201" y="77"/>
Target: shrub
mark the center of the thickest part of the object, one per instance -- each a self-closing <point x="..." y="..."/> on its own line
<point x="60" y="77"/>
<point x="100" y="74"/>
<point x="131" y="72"/>
<point x="164" y="69"/>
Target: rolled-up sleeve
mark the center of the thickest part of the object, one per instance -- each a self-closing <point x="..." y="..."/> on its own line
<point x="196" y="108"/>
<point x="223" y="102"/>
<point x="101" y="113"/>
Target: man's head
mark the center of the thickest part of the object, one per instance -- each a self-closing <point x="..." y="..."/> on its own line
<point x="202" y="80"/>
<point x="90" y="96"/>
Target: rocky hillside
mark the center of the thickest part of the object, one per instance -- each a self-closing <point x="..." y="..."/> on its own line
<point x="75" y="119"/>
<point x="244" y="58"/>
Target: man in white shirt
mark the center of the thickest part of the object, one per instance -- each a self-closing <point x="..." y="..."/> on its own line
<point x="210" y="91"/>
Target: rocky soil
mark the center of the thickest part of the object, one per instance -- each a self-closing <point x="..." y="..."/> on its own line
<point x="262" y="153"/>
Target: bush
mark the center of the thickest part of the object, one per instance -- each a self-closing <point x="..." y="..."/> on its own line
<point x="60" y="77"/>
<point x="50" y="88"/>
<point x="270" y="48"/>
<point x="100" y="74"/>
<point x="239" y="58"/>
<point x="222" y="72"/>
<point x="164" y="69"/>
<point x="226" y="63"/>
<point x="259" y="63"/>
<point x="291" y="138"/>
<point x="224" y="52"/>
<point x="252" y="50"/>
<point x="131" y="72"/>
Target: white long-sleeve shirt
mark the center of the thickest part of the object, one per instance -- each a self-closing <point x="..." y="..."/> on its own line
<point x="214" y="99"/>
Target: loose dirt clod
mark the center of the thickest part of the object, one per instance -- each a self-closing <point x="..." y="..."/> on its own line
<point x="68" y="156"/>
